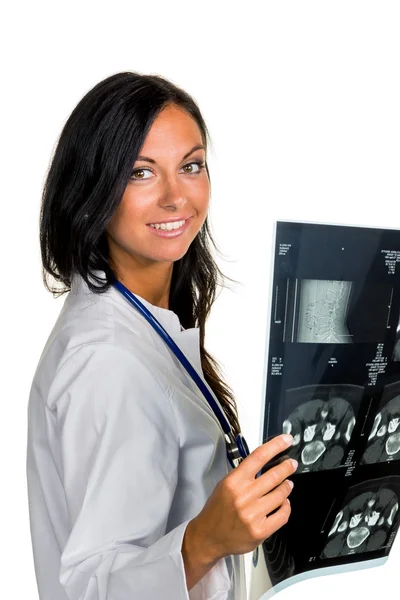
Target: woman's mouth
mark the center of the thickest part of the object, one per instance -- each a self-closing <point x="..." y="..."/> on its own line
<point x="169" y="229"/>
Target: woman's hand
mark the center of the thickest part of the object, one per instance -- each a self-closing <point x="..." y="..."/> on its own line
<point x="236" y="518"/>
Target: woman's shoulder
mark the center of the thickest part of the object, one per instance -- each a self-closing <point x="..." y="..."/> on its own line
<point x="87" y="318"/>
<point x="94" y="337"/>
<point x="109" y="372"/>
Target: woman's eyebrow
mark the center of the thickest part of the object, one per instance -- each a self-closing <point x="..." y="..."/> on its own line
<point x="150" y="160"/>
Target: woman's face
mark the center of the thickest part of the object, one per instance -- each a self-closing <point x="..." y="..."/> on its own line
<point x="166" y="186"/>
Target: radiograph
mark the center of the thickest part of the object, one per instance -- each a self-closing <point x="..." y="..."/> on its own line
<point x="384" y="439"/>
<point x="363" y="524"/>
<point x="323" y="309"/>
<point x="396" y="350"/>
<point x="321" y="428"/>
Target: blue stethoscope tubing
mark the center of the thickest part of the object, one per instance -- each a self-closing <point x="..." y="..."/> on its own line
<point x="237" y="448"/>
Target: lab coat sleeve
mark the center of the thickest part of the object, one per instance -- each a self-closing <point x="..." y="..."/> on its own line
<point x="119" y="450"/>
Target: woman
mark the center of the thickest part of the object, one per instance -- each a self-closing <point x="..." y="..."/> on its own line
<point x="131" y="494"/>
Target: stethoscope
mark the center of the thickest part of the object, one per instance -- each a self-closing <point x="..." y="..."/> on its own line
<point x="236" y="448"/>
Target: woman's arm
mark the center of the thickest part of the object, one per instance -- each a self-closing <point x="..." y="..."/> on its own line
<point x="197" y="555"/>
<point x="242" y="511"/>
<point x="119" y="452"/>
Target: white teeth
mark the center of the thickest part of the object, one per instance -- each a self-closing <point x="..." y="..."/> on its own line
<point x="168" y="226"/>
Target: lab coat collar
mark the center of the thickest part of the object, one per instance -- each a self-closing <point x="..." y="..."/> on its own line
<point x="188" y="340"/>
<point x="167" y="318"/>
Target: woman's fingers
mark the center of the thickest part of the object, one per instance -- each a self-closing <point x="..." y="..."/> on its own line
<point x="235" y="517"/>
<point x="275" y="499"/>
<point x="274" y="477"/>
<point x="275" y="521"/>
<point x="253" y="463"/>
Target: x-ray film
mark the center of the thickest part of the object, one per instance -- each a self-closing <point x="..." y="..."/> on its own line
<point x="332" y="380"/>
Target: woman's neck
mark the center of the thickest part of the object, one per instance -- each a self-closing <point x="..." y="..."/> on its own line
<point x="151" y="282"/>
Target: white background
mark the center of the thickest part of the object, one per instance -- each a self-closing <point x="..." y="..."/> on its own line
<point x="302" y="101"/>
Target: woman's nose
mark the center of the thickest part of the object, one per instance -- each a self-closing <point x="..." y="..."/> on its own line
<point x="173" y="193"/>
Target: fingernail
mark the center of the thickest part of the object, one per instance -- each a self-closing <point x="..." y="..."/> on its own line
<point x="290" y="482"/>
<point x="287" y="438"/>
<point x="294" y="463"/>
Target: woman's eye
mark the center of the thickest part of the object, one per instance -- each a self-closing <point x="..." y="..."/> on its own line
<point x="138" y="174"/>
<point x="136" y="171"/>
<point x="198" y="163"/>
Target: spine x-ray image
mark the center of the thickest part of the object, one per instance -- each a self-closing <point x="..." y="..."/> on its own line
<point x="321" y="424"/>
<point x="332" y="311"/>
<point x="384" y="439"/>
<point x="323" y="311"/>
<point x="364" y="523"/>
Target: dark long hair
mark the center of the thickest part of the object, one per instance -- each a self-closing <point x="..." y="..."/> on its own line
<point x="87" y="177"/>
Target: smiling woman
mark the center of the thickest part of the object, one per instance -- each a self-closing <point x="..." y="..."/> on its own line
<point x="131" y="494"/>
<point x="142" y="237"/>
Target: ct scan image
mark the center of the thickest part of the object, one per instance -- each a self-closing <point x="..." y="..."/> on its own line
<point x="321" y="420"/>
<point x="384" y="440"/>
<point x="364" y="523"/>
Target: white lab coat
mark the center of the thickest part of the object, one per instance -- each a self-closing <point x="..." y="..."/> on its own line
<point x="123" y="451"/>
